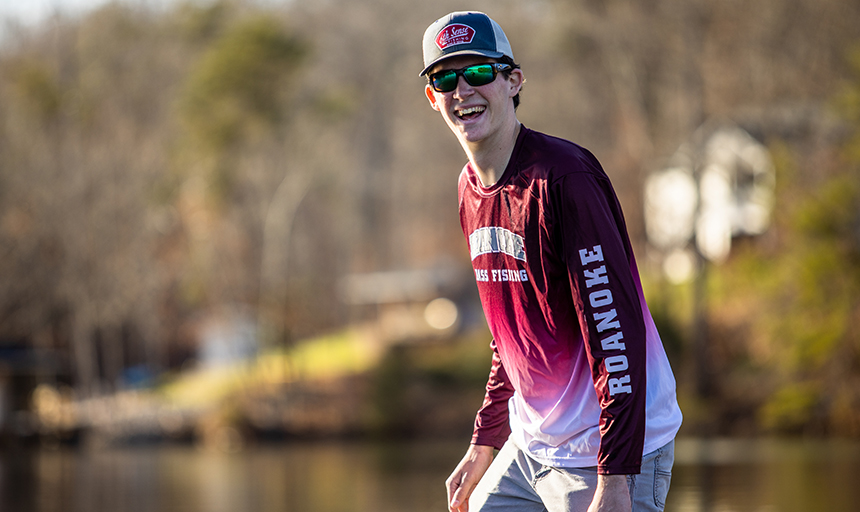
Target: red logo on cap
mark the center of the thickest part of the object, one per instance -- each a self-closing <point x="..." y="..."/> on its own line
<point x="455" y="34"/>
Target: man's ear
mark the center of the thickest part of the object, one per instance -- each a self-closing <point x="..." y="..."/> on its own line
<point x="431" y="97"/>
<point x="516" y="79"/>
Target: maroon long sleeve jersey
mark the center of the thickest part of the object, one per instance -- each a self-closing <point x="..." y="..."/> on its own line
<point x="579" y="376"/>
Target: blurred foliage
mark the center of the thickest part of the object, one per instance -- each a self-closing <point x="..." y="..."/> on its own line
<point x="238" y="93"/>
<point x="791" y="408"/>
<point x="786" y="307"/>
<point x="336" y="356"/>
<point x="417" y="387"/>
<point x="202" y="22"/>
<point x="38" y="89"/>
<point x="240" y="84"/>
<point x="158" y="167"/>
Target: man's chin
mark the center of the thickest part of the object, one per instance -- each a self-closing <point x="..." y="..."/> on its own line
<point x="470" y="133"/>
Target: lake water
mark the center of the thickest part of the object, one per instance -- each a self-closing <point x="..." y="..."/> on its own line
<point x="709" y="476"/>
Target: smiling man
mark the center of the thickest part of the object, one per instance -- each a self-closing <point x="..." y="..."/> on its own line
<point x="581" y="398"/>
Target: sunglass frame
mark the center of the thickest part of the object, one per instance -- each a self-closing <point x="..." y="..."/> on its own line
<point x="497" y="68"/>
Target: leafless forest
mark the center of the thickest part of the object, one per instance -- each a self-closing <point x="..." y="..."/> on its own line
<point x="161" y="167"/>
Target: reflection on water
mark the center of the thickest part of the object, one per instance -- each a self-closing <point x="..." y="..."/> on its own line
<point x="766" y="476"/>
<point x="755" y="476"/>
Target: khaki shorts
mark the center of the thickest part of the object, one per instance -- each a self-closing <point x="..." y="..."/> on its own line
<point x="517" y="483"/>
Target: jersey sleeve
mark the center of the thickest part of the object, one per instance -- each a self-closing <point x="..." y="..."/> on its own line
<point x="492" y="427"/>
<point x="599" y="262"/>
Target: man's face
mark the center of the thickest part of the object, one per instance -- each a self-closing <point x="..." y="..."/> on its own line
<point x="475" y="113"/>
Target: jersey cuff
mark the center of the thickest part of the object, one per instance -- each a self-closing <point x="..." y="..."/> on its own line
<point x="619" y="470"/>
<point x="495" y="442"/>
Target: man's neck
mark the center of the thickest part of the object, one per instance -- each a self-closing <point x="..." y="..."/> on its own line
<point x="489" y="158"/>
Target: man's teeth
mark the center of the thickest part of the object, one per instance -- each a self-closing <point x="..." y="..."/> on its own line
<point x="470" y="110"/>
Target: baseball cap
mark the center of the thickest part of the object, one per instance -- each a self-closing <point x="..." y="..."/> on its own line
<point x="464" y="33"/>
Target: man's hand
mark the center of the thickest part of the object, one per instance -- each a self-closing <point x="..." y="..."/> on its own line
<point x="611" y="495"/>
<point x="465" y="477"/>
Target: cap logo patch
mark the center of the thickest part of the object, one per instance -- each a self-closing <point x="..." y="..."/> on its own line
<point x="455" y="34"/>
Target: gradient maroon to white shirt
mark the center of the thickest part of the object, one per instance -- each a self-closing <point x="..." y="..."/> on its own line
<point x="576" y="353"/>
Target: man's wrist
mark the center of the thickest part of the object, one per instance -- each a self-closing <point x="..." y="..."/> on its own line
<point x="481" y="448"/>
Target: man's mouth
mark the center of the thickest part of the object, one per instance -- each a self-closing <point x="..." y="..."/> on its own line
<point x="469" y="113"/>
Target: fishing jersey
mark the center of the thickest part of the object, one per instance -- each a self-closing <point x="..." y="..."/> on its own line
<point x="579" y="376"/>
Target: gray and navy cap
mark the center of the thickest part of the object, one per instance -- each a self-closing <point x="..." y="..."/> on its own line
<point x="464" y="33"/>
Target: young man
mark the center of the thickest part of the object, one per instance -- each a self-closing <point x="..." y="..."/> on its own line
<point x="581" y="398"/>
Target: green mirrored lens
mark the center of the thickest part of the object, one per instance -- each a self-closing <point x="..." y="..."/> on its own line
<point x="479" y="75"/>
<point x="445" y="81"/>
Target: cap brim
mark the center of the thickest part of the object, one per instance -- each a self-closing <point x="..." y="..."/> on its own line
<point x="482" y="53"/>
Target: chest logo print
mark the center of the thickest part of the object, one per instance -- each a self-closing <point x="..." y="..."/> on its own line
<point x="497" y="240"/>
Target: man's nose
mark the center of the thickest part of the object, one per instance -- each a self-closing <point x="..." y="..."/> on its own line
<point x="463" y="88"/>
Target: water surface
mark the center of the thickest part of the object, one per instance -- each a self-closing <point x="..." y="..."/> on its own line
<point x="712" y="475"/>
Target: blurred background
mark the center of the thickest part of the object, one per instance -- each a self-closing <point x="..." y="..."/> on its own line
<point x="232" y="275"/>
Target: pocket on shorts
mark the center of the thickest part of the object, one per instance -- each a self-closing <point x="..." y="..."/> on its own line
<point x="661" y="488"/>
<point x="663" y="474"/>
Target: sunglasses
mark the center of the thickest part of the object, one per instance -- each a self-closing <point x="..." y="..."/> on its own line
<point x="479" y="74"/>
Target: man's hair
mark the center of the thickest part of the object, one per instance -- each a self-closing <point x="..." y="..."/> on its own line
<point x="510" y="62"/>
